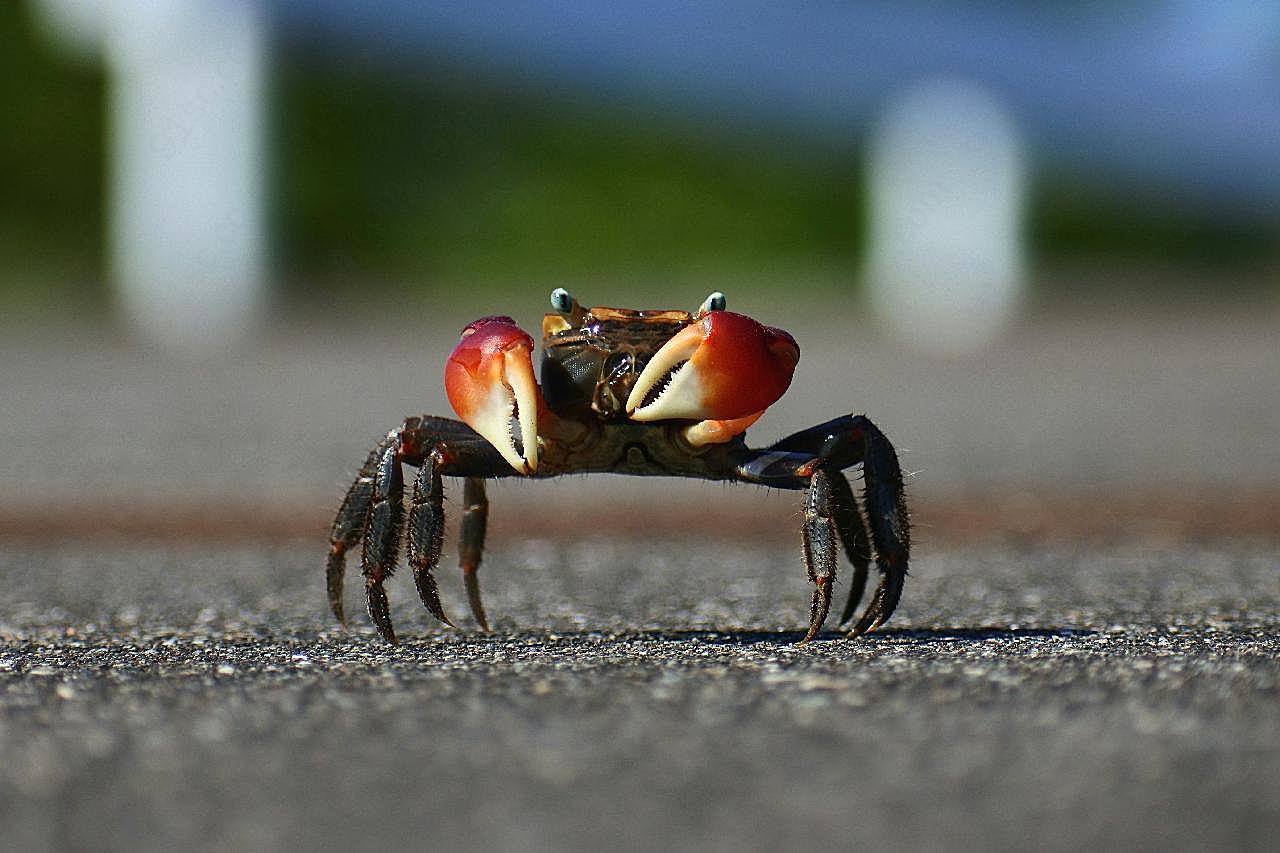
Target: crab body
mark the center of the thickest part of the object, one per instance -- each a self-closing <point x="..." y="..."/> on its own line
<point x="660" y="393"/>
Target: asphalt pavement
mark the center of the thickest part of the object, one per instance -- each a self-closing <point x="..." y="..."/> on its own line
<point x="641" y="696"/>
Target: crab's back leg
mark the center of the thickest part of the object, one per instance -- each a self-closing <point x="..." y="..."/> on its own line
<point x="349" y="527"/>
<point x="475" y="519"/>
<point x="853" y="536"/>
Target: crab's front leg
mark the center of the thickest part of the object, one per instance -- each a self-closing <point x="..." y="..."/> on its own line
<point x="812" y="459"/>
<point x="475" y="520"/>
<point x="490" y="382"/>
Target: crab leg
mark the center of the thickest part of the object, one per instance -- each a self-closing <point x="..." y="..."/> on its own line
<point x="426" y="534"/>
<point x="372" y="512"/>
<point x="841" y="443"/>
<point x="853" y="537"/>
<point x="382" y="538"/>
<point x="819" y="537"/>
<point x="890" y="527"/>
<point x="830" y="511"/>
<point x="349" y="527"/>
<point x="475" y="517"/>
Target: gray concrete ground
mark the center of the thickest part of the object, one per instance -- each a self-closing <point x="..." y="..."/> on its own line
<point x="643" y="690"/>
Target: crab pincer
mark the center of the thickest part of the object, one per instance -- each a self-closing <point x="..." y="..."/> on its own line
<point x="490" y="383"/>
<point x="723" y="370"/>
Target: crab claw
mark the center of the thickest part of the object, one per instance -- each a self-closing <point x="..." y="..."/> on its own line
<point x="723" y="366"/>
<point x="489" y="380"/>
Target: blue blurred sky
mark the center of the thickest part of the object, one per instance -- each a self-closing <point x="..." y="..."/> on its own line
<point x="1184" y="95"/>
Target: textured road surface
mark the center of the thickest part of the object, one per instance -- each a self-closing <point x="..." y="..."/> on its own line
<point x="640" y="697"/>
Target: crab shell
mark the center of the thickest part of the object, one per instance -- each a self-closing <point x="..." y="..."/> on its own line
<point x="717" y="370"/>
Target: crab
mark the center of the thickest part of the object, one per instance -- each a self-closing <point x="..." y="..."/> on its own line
<point x="642" y="392"/>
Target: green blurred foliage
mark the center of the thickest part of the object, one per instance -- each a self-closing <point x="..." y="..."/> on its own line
<point x="501" y="186"/>
<point x="1072" y="217"/>
<point x="447" y="181"/>
<point x="385" y="180"/>
<point x="51" y="167"/>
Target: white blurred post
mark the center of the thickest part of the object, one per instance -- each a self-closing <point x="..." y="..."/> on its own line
<point x="187" y="142"/>
<point x="187" y="221"/>
<point x="945" y="266"/>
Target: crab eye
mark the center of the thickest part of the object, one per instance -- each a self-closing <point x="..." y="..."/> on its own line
<point x="562" y="301"/>
<point x="714" y="302"/>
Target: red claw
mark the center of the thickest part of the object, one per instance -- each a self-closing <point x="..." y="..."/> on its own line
<point x="722" y="367"/>
<point x="490" y="383"/>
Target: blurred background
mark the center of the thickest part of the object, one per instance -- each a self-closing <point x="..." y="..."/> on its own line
<point x="1037" y="243"/>
<point x="1040" y="246"/>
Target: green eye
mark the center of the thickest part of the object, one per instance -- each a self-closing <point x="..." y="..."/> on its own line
<point x="714" y="302"/>
<point x="562" y="301"/>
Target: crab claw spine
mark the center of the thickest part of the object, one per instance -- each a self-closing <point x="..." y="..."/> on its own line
<point x="490" y="383"/>
<point x="723" y="366"/>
